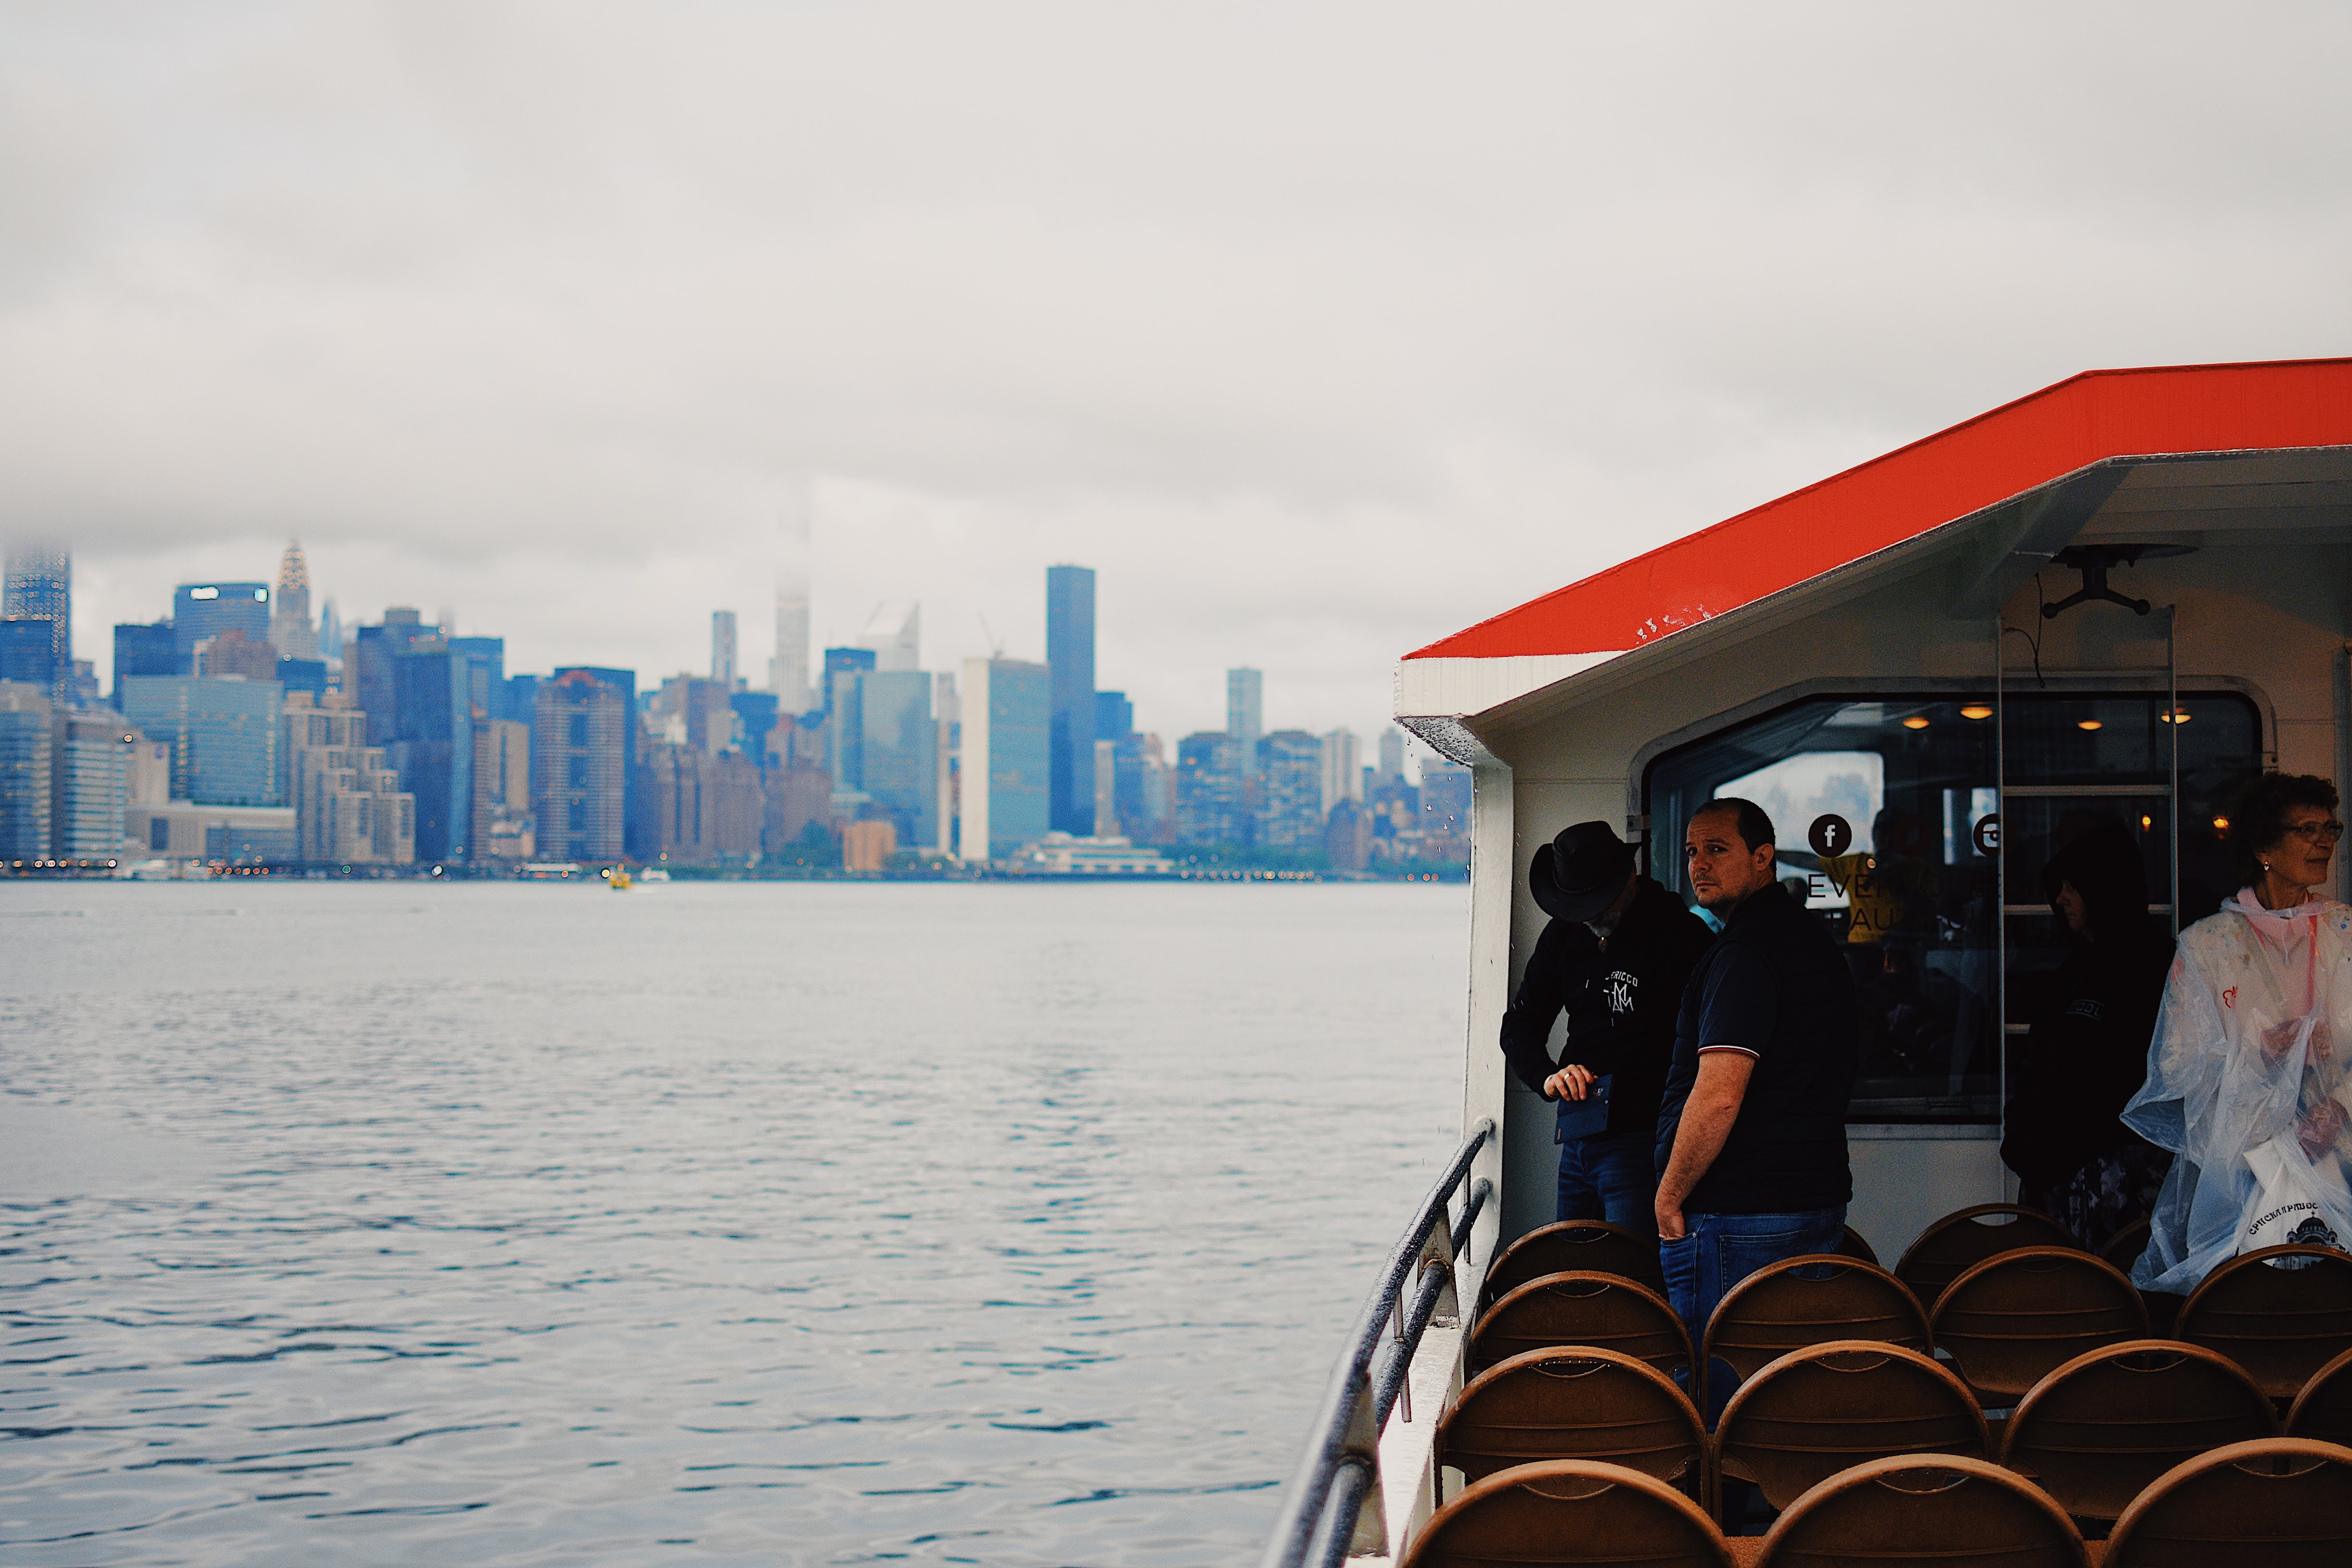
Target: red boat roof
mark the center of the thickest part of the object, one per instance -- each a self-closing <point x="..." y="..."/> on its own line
<point x="2100" y="414"/>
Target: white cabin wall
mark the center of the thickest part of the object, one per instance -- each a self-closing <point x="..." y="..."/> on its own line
<point x="1493" y="813"/>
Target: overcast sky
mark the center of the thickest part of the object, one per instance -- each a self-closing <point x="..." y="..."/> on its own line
<point x="1319" y="330"/>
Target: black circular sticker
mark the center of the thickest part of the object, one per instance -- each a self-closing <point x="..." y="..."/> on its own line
<point x="1987" y="834"/>
<point x="1829" y="835"/>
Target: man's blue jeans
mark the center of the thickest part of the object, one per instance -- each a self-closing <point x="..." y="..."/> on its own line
<point x="1718" y="1251"/>
<point x="1612" y="1176"/>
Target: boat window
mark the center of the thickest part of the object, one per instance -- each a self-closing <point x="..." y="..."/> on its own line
<point x="1889" y="820"/>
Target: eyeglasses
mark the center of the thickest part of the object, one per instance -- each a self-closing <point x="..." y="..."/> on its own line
<point x="2318" y="832"/>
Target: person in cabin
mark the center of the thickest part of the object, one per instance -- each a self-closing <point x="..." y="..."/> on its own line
<point x="2249" y="1075"/>
<point x="1751" y="1132"/>
<point x="1614" y="957"/>
<point x="2088" y="1055"/>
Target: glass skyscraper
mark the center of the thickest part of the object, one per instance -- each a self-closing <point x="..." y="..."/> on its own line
<point x="39" y="587"/>
<point x="201" y="610"/>
<point x="1007" y="728"/>
<point x="1070" y="655"/>
<point x="224" y="733"/>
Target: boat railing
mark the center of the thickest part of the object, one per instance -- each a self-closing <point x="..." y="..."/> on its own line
<point x="1332" y="1509"/>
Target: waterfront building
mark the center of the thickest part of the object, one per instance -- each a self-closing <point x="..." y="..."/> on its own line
<point x="1245" y="714"/>
<point x="755" y="721"/>
<point x="1289" y="806"/>
<point x="1107" y="789"/>
<point x="25" y="781"/>
<point x="291" y="631"/>
<point x="369" y="678"/>
<point x="150" y="770"/>
<point x="1146" y="790"/>
<point x="236" y="835"/>
<point x="579" y="762"/>
<point x="39" y="587"/>
<point x="689" y="711"/>
<point x="788" y="671"/>
<point x="1342" y="772"/>
<point x="145" y="649"/>
<point x="91" y="757"/>
<point x="1209" y="790"/>
<point x="722" y="649"/>
<point x="623" y="682"/>
<point x="799" y="785"/>
<point x="868" y="846"/>
<point x="894" y="636"/>
<point x="886" y="749"/>
<point x="1004" y="802"/>
<point x="502" y="826"/>
<point x="201" y="610"/>
<point x="224" y="732"/>
<point x="1348" y="836"/>
<point x="29" y="655"/>
<point x="1103" y="854"/>
<point x="1392" y="754"/>
<point x="1070" y="655"/>
<point x="699" y="809"/>
<point x="233" y="653"/>
<point x="432" y="743"/>
<point x="349" y="806"/>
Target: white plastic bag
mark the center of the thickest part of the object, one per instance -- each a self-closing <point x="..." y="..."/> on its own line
<point x="2285" y="1210"/>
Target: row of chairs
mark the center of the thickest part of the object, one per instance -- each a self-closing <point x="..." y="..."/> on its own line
<point x="2095" y="1433"/>
<point x="2282" y="1502"/>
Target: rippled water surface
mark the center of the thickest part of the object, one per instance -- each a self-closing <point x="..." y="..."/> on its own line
<point x="732" y="1222"/>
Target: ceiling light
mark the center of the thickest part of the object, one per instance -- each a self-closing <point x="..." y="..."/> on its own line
<point x="1915" y="722"/>
<point x="2178" y="716"/>
<point x="2087" y="724"/>
<point x="1977" y="710"/>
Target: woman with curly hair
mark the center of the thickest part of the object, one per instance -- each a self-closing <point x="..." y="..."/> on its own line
<point x="2246" y="1082"/>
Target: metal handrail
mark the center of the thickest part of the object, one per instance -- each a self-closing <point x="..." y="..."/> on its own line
<point x="1326" y="1496"/>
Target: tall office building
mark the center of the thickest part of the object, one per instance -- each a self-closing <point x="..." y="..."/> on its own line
<point x="1006" y="757"/>
<point x="1393" y="755"/>
<point x="894" y="635"/>
<point x="1343" y="773"/>
<point x="225" y="734"/>
<point x="291" y="631"/>
<point x="722" y="649"/>
<point x="432" y="746"/>
<point x="368" y="680"/>
<point x="331" y="633"/>
<point x="788" y="671"/>
<point x="25" y="784"/>
<point x="886" y="747"/>
<point x="348" y="807"/>
<point x="623" y="682"/>
<point x="39" y="587"/>
<point x="1245" y="714"/>
<point x="233" y="653"/>
<point x="140" y="648"/>
<point x="1209" y="790"/>
<point x="689" y="711"/>
<point x="840" y="661"/>
<point x="29" y="655"/>
<point x="91" y="759"/>
<point x="201" y="610"/>
<point x="501" y="790"/>
<point x="579" y="762"/>
<point x="1070" y="654"/>
<point x="1290" y="790"/>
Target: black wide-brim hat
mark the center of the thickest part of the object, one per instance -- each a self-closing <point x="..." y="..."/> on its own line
<point x="1578" y="875"/>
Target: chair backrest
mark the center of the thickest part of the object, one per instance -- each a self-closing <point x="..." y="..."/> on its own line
<point x="1820" y="1410"/>
<point x="1956" y="1243"/>
<point x="1852" y="1245"/>
<point x="2095" y="1432"/>
<point x="2280" y="1502"/>
<point x="2281" y="1313"/>
<point x="2124" y="1247"/>
<point x="1811" y="1300"/>
<point x="1925" y="1509"/>
<point x="2014" y="1319"/>
<point x="1575" y="1246"/>
<point x="1568" y="1512"/>
<point x="2324" y="1408"/>
<point x="1606" y="1311"/>
<point x="1578" y="1403"/>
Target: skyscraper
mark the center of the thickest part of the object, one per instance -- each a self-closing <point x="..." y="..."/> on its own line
<point x="28" y="654"/>
<point x="291" y="631"/>
<point x="722" y="647"/>
<point x="145" y="649"/>
<point x="1209" y="790"/>
<point x="39" y="587"/>
<point x="1290" y="790"/>
<point x="225" y="733"/>
<point x="886" y="747"/>
<point x="432" y="744"/>
<point x="580" y="764"/>
<point x="1070" y="655"/>
<point x="1393" y="754"/>
<point x="201" y="610"/>
<point x="788" y="672"/>
<point x="894" y="633"/>
<point x="1245" y="714"/>
<point x="90" y="770"/>
<point x="1343" y="774"/>
<point x="1007" y="748"/>
<point x="24" y="782"/>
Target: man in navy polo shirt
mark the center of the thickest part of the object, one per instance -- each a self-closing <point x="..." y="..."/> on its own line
<point x="1751" y="1132"/>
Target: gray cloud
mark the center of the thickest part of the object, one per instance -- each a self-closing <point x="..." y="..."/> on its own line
<point x="1319" y="331"/>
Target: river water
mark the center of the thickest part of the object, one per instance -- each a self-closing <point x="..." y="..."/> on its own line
<point x="806" y="1223"/>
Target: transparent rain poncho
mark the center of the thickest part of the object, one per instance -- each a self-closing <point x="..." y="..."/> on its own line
<point x="2250" y="1085"/>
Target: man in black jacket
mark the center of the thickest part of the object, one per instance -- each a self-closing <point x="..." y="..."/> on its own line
<point x="1615" y="957"/>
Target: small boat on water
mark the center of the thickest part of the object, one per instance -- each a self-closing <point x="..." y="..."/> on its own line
<point x="2120" y="595"/>
<point x="618" y="880"/>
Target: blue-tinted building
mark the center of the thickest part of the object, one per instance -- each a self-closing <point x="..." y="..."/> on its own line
<point x="145" y="649"/>
<point x="624" y="681"/>
<point x="1209" y="796"/>
<point x="23" y="771"/>
<point x="432" y="745"/>
<point x="224" y="733"/>
<point x="1114" y="716"/>
<point x="201" y="610"/>
<point x="39" y="587"/>
<point x="29" y="653"/>
<point x="842" y="661"/>
<point x="755" y="714"/>
<point x="518" y="700"/>
<point x="1070" y="655"/>
<point x="368" y="674"/>
<point x="886" y="746"/>
<point x="485" y="669"/>
<point x="1007" y="757"/>
<point x="303" y="674"/>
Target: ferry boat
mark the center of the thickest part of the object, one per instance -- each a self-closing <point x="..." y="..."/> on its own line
<point x="2122" y="593"/>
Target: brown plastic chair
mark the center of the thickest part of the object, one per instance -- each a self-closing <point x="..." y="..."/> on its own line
<point x="1779" y="1309"/>
<point x="1958" y="1242"/>
<point x="1925" y="1509"/>
<point x="2324" y="1409"/>
<point x="2279" y="1502"/>
<point x="1852" y="1245"/>
<point x="1577" y="1403"/>
<point x="2281" y="1324"/>
<point x="1827" y="1407"/>
<point x="1568" y="1512"/>
<point x="1605" y="1311"/>
<point x="2124" y="1247"/>
<point x="2013" y="1319"/>
<point x="1575" y="1246"/>
<point x="2099" y="1429"/>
